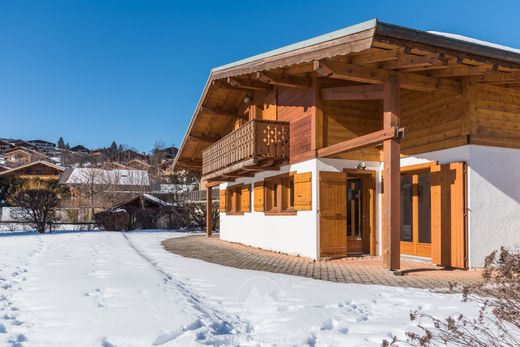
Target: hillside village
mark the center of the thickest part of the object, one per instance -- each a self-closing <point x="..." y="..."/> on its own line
<point x="89" y="180"/>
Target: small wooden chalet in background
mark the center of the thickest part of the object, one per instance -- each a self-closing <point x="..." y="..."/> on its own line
<point x="17" y="156"/>
<point x="374" y="139"/>
<point x="42" y="170"/>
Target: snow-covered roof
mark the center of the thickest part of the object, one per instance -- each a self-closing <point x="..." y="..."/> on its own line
<point x="113" y="177"/>
<point x="172" y="188"/>
<point x="157" y="200"/>
<point x="475" y="41"/>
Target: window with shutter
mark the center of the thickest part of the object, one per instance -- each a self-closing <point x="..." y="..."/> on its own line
<point x="303" y="191"/>
<point x="222" y="200"/>
<point x="259" y="196"/>
<point x="245" y="196"/>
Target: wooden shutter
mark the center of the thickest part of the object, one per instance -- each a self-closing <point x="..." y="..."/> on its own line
<point x="259" y="196"/>
<point x="333" y="218"/>
<point x="448" y="210"/>
<point x="222" y="200"/>
<point x="245" y="199"/>
<point x="303" y="191"/>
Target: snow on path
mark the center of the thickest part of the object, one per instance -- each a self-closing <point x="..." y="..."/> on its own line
<point x="115" y="289"/>
<point x="297" y="311"/>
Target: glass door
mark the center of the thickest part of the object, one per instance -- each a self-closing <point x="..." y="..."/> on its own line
<point x="355" y="215"/>
<point x="416" y="214"/>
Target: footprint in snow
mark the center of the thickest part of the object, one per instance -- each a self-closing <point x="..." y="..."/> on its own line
<point x="327" y="325"/>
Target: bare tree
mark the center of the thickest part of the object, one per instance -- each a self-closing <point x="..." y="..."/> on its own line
<point x="91" y="184"/>
<point x="36" y="207"/>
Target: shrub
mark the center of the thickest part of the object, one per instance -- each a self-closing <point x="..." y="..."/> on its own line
<point x="498" y="322"/>
<point x="36" y="207"/>
<point x="113" y="220"/>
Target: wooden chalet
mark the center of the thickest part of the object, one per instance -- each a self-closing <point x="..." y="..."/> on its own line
<point x="17" y="156"/>
<point x="374" y="139"/>
<point x="42" y="170"/>
<point x="138" y="164"/>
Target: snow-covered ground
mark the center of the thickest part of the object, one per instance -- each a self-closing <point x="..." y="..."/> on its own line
<point x="123" y="289"/>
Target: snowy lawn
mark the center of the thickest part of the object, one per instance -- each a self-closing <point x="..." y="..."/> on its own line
<point x="115" y="289"/>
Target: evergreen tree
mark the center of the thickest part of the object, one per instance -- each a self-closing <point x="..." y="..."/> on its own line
<point x="121" y="149"/>
<point x="113" y="146"/>
<point x="61" y="143"/>
<point x="67" y="146"/>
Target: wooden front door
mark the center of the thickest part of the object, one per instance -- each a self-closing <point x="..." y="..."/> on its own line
<point x="449" y="214"/>
<point x="332" y="214"/>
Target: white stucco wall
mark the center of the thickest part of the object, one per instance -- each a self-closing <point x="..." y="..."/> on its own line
<point x="494" y="201"/>
<point x="493" y="191"/>
<point x="295" y="235"/>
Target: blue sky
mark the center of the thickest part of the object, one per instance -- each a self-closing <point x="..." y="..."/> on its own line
<point x="132" y="71"/>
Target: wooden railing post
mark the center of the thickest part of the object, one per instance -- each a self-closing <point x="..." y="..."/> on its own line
<point x="392" y="179"/>
<point x="209" y="212"/>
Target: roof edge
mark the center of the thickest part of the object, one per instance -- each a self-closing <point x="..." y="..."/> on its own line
<point x="446" y="42"/>
<point x="353" y="29"/>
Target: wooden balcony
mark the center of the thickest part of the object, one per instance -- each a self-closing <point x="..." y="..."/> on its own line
<point x="256" y="146"/>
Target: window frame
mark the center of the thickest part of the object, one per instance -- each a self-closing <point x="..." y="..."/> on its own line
<point x="234" y="200"/>
<point x="279" y="195"/>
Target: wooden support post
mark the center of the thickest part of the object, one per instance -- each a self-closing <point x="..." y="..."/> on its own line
<point x="209" y="212"/>
<point x="391" y="178"/>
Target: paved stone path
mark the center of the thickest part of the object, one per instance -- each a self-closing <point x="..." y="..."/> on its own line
<point x="364" y="270"/>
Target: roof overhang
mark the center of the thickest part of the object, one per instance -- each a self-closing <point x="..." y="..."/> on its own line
<point x="353" y="39"/>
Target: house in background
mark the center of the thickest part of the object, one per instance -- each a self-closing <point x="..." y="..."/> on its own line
<point x="80" y="149"/>
<point x="5" y="145"/>
<point x="17" y="156"/>
<point x="96" y="188"/>
<point x="149" y="206"/>
<point x="41" y="170"/>
<point x="374" y="139"/>
<point x="25" y="144"/>
<point x="138" y="164"/>
<point x="42" y="145"/>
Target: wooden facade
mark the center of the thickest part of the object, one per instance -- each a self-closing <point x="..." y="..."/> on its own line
<point x="35" y="170"/>
<point x="375" y="92"/>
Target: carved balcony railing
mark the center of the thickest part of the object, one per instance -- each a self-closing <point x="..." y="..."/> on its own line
<point x="257" y="143"/>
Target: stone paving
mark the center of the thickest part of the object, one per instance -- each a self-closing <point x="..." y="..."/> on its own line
<point x="363" y="270"/>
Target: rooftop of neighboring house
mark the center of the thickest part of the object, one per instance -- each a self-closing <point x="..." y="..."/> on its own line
<point x="74" y="176"/>
<point x="145" y="198"/>
<point x="28" y="151"/>
<point x="80" y="148"/>
<point x="42" y="143"/>
<point x="137" y="162"/>
<point x="29" y="169"/>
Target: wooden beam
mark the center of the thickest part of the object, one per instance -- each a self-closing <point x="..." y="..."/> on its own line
<point x="189" y="163"/>
<point x="391" y="179"/>
<point x="209" y="212"/>
<point x="371" y="139"/>
<point x="247" y="84"/>
<point x="218" y="112"/>
<point x="363" y="74"/>
<point x="361" y="92"/>
<point x="414" y="61"/>
<point x="496" y="77"/>
<point x="376" y="56"/>
<point x="203" y="138"/>
<point x="464" y="71"/>
<point x="283" y="81"/>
